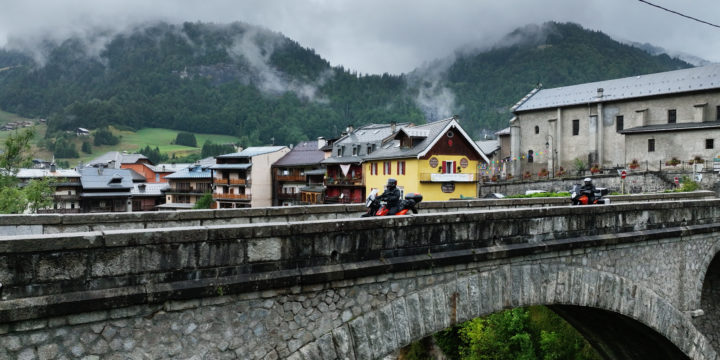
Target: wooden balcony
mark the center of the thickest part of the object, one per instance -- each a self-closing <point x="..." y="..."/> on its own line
<point x="230" y="181"/>
<point x="294" y="177"/>
<point x="231" y="197"/>
<point x="344" y="182"/>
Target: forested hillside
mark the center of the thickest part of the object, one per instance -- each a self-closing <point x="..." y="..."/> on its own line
<point x="256" y="84"/>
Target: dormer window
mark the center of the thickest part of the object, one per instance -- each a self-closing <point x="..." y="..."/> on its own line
<point x="116" y="179"/>
<point x="355" y="148"/>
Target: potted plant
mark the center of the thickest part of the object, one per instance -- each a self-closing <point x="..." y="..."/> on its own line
<point x="543" y="173"/>
<point x="672" y="162"/>
<point x="595" y="169"/>
<point x="527" y="175"/>
<point x="634" y="164"/>
<point x="696" y="160"/>
<point x="560" y="172"/>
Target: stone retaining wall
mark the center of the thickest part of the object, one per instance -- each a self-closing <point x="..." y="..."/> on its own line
<point x="636" y="182"/>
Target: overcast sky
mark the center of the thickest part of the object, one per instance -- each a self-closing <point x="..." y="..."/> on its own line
<point x="376" y="36"/>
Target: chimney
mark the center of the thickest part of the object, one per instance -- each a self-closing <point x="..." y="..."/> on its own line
<point x="141" y="187"/>
<point x="349" y="129"/>
<point x="53" y="168"/>
<point x="321" y="142"/>
<point x="100" y="170"/>
<point x="393" y="125"/>
<point x="600" y="93"/>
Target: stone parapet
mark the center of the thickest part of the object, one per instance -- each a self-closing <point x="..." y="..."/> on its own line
<point x="13" y="225"/>
<point x="51" y="275"/>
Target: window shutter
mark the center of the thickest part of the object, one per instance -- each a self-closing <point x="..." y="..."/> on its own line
<point x="454" y="169"/>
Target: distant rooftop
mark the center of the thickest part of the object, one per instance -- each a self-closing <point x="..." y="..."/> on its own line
<point x="252" y="151"/>
<point x="304" y="153"/>
<point x="41" y="173"/>
<point x="665" y="83"/>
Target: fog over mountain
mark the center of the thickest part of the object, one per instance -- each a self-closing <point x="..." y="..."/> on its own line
<point x="376" y="36"/>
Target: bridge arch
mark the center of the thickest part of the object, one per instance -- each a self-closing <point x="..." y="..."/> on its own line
<point x="574" y="292"/>
<point x="708" y="295"/>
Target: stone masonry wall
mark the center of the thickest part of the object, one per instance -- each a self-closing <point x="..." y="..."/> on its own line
<point x="369" y="317"/>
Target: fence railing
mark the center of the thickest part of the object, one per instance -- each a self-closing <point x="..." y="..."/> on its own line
<point x="672" y="165"/>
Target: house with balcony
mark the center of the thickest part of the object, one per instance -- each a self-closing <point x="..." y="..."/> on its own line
<point x="344" y="181"/>
<point x="438" y="160"/>
<point x="105" y="189"/>
<point x="66" y="183"/>
<point x="244" y="179"/>
<point x="148" y="196"/>
<point x="298" y="176"/>
<point x="186" y="186"/>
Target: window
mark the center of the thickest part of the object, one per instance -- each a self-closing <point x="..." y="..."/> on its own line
<point x="369" y="149"/>
<point x="339" y="152"/>
<point x="672" y="116"/>
<point x="387" y="169"/>
<point x="537" y="129"/>
<point x="576" y="127"/>
<point x="448" y="167"/>
<point x="709" y="143"/>
<point x="374" y="169"/>
<point x="401" y="167"/>
<point x="354" y="151"/>
<point x="717" y="113"/>
<point x="619" y="123"/>
<point x="651" y="145"/>
<point x="531" y="156"/>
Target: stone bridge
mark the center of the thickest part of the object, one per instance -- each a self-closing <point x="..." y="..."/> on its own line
<point x="640" y="279"/>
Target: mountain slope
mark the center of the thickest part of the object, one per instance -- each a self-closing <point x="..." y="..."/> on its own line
<point x="256" y="84"/>
<point x="486" y="84"/>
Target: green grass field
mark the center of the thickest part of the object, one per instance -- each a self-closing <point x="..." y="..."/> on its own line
<point x="129" y="141"/>
<point x="162" y="138"/>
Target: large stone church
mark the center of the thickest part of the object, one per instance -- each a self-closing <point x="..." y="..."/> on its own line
<point x="651" y="120"/>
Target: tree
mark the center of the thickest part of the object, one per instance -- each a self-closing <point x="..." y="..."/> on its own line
<point x="12" y="200"/>
<point x="16" y="152"/>
<point x="105" y="137"/>
<point x="86" y="148"/>
<point x="187" y="139"/>
<point x="39" y="193"/>
<point x="204" y="202"/>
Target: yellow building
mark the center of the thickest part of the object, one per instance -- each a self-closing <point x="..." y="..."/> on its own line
<point x="438" y="160"/>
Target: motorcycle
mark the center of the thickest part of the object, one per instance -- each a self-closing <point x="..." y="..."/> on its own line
<point x="578" y="196"/>
<point x="377" y="207"/>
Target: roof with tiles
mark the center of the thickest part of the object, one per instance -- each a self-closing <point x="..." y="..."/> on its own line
<point x="304" y="153"/>
<point x="106" y="179"/>
<point x="665" y="83"/>
<point x="192" y="172"/>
